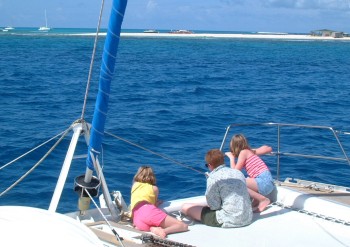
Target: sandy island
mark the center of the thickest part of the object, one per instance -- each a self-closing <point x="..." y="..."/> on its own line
<point x="240" y="36"/>
<point x="223" y="35"/>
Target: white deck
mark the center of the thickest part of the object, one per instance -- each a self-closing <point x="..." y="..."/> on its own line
<point x="324" y="223"/>
<point x="278" y="226"/>
<point x="27" y="226"/>
<point x="273" y="227"/>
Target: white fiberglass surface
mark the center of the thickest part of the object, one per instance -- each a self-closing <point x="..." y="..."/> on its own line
<point x="25" y="226"/>
<point x="273" y="227"/>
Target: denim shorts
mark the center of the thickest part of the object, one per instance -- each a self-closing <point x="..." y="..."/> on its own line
<point x="265" y="183"/>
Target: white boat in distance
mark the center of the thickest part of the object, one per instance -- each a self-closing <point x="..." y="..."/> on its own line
<point x="302" y="213"/>
<point x="181" y="31"/>
<point x="45" y="28"/>
<point x="9" y="28"/>
<point x="272" y="33"/>
<point x="150" y="31"/>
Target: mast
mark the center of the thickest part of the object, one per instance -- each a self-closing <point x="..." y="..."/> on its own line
<point x="106" y="75"/>
<point x="101" y="105"/>
<point x="45" y="19"/>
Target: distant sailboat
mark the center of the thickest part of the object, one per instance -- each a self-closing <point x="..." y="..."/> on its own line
<point x="8" y="28"/>
<point x="45" y="28"/>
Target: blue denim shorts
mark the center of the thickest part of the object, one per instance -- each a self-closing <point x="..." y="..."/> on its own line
<point x="265" y="183"/>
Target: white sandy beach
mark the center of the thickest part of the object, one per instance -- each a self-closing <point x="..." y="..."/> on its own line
<point x="239" y="36"/>
<point x="224" y="35"/>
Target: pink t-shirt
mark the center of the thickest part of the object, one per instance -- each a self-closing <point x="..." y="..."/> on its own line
<point x="255" y="166"/>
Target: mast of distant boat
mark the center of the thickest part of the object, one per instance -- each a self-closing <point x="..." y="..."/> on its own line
<point x="45" y="28"/>
<point x="45" y="19"/>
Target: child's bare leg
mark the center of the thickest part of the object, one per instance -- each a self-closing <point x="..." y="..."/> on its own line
<point x="192" y="210"/>
<point x="263" y="201"/>
<point x="172" y="225"/>
<point x="251" y="184"/>
<point x="263" y="204"/>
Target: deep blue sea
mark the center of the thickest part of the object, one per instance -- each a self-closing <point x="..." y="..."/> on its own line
<point x="174" y="96"/>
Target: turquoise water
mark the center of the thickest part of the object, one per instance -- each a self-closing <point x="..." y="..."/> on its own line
<point x="173" y="96"/>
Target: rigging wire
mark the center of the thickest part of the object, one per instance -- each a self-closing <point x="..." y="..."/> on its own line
<point x="63" y="134"/>
<point x="32" y="150"/>
<point x="105" y="219"/>
<point x="38" y="163"/>
<point x="155" y="153"/>
<point x="92" y="61"/>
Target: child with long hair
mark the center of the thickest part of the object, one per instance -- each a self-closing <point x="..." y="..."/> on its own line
<point x="259" y="180"/>
<point x="144" y="206"/>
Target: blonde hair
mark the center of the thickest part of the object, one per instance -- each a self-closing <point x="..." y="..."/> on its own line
<point x="238" y="143"/>
<point x="145" y="174"/>
<point x="215" y="157"/>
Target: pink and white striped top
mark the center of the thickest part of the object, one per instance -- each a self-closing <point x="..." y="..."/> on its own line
<point x="254" y="166"/>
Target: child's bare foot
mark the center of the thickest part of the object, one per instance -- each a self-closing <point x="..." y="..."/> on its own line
<point x="262" y="205"/>
<point x="158" y="231"/>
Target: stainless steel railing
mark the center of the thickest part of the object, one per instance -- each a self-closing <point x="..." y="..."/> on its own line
<point x="280" y="127"/>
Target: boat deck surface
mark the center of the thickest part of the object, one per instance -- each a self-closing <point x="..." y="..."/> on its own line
<point x="321" y="222"/>
<point x="274" y="227"/>
<point x="270" y="228"/>
<point x="336" y="196"/>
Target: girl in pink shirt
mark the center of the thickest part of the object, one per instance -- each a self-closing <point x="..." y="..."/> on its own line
<point x="259" y="180"/>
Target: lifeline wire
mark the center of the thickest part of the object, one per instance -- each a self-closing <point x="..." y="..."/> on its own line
<point x="42" y="144"/>
<point x="37" y="164"/>
<point x="155" y="153"/>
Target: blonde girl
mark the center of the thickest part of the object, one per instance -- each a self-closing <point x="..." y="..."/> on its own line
<point x="144" y="206"/>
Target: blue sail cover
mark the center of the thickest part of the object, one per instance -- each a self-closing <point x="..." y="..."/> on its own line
<point x="106" y="75"/>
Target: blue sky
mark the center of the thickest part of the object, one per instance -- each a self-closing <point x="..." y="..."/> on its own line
<point x="293" y="16"/>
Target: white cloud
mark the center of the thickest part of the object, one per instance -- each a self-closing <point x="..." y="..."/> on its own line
<point x="151" y="5"/>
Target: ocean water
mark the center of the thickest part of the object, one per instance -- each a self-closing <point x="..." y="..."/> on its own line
<point x="172" y="96"/>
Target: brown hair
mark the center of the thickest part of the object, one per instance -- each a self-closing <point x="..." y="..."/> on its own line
<point x="238" y="143"/>
<point x="145" y="174"/>
<point x="215" y="157"/>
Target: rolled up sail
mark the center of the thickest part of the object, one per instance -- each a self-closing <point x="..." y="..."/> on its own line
<point x="106" y="75"/>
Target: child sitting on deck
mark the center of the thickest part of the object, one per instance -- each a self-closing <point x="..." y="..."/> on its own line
<point x="227" y="197"/>
<point x="260" y="182"/>
<point x="144" y="201"/>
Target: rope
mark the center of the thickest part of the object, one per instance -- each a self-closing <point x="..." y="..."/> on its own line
<point x="92" y="61"/>
<point x="155" y="153"/>
<point x="105" y="219"/>
<point x="38" y="163"/>
<point x="313" y="214"/>
<point x="155" y="241"/>
<point x="312" y="186"/>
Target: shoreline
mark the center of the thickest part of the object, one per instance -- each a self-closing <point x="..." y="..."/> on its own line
<point x="233" y="36"/>
<point x="276" y="36"/>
